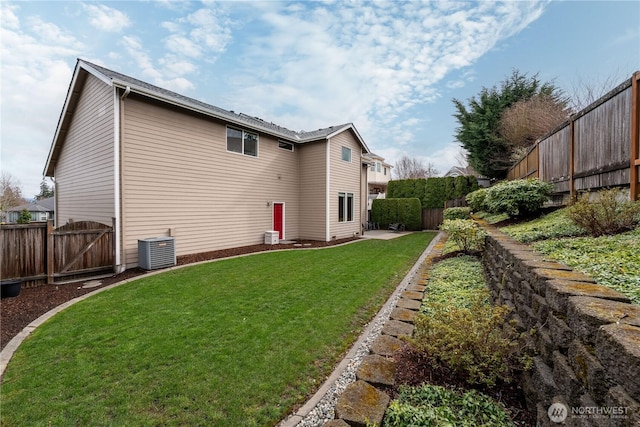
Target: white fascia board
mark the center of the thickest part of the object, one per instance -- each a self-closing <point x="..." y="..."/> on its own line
<point x="355" y="131"/>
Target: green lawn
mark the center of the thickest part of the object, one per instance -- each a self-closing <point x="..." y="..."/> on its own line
<point x="231" y="343"/>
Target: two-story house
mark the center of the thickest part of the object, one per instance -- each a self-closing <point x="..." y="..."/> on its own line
<point x="156" y="163"/>
<point x="378" y="177"/>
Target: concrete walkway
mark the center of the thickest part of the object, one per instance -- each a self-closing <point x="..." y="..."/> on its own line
<point x="384" y="234"/>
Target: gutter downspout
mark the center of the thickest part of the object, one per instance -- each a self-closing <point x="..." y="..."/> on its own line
<point x="328" y="192"/>
<point x="116" y="177"/>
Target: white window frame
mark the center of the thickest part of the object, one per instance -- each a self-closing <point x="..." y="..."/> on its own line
<point x="348" y="206"/>
<point x="244" y="134"/>
<point x="344" y="151"/>
<point x="281" y="143"/>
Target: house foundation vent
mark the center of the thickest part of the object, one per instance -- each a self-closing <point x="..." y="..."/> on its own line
<point x="156" y="252"/>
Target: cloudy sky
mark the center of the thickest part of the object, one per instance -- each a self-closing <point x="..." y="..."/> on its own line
<point x="390" y="67"/>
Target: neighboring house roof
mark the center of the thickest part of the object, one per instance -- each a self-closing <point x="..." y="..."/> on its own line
<point x="462" y="171"/>
<point x="130" y="84"/>
<point x="371" y="157"/>
<point x="44" y="205"/>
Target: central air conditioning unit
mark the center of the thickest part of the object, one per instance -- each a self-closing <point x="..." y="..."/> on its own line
<point x="156" y="252"/>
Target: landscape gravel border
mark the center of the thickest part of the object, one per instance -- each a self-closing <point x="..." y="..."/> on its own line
<point x="319" y="409"/>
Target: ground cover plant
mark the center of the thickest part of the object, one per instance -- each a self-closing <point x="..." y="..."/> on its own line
<point x="234" y="342"/>
<point x="431" y="406"/>
<point x="553" y="225"/>
<point x="612" y="261"/>
<point x="459" y="351"/>
<point x="459" y="328"/>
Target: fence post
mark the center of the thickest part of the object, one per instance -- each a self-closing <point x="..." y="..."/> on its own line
<point x="634" y="192"/>
<point x="572" y="145"/>
<point x="50" y="252"/>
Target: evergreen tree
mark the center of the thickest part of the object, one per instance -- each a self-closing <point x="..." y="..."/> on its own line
<point x="489" y="152"/>
<point x="45" y="191"/>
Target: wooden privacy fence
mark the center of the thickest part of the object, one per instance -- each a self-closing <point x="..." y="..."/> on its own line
<point x="37" y="252"/>
<point x="431" y="218"/>
<point x="597" y="147"/>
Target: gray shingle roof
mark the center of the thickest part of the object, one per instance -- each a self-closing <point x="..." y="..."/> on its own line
<point x="43" y="205"/>
<point x="237" y="118"/>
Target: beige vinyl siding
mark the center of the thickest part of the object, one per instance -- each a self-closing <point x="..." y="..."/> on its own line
<point x="85" y="169"/>
<point x="345" y="178"/>
<point x="312" y="189"/>
<point x="179" y="178"/>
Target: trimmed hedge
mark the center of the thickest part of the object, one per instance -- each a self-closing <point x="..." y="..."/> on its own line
<point x="406" y="211"/>
<point x="432" y="192"/>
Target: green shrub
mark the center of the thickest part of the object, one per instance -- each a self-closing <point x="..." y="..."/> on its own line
<point x="605" y="213"/>
<point x="465" y="233"/>
<point x="431" y="405"/>
<point x="432" y="192"/>
<point x="24" y="217"/>
<point x="476" y="199"/>
<point x="404" y="211"/>
<point x="457" y="213"/>
<point x="476" y="343"/>
<point x="520" y="197"/>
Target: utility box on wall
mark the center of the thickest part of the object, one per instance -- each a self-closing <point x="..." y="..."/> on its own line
<point x="271" y="238"/>
<point x="156" y="252"/>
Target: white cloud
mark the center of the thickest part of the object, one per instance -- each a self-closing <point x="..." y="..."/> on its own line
<point x="207" y="30"/>
<point x="8" y="19"/>
<point x="106" y="18"/>
<point x="35" y="77"/>
<point x="368" y="62"/>
<point x="182" y="45"/>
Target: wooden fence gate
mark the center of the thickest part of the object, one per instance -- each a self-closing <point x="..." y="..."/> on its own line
<point x="37" y="252"/>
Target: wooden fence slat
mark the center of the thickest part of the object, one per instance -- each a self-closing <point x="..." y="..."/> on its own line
<point x="35" y="252"/>
<point x="585" y="152"/>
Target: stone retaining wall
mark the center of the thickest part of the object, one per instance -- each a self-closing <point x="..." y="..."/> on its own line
<point x="586" y="339"/>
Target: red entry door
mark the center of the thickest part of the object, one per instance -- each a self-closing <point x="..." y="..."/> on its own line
<point x="278" y="219"/>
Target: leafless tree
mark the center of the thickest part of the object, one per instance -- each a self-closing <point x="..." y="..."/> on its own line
<point x="408" y="168"/>
<point x="527" y="120"/>
<point x="585" y="91"/>
<point x="10" y="192"/>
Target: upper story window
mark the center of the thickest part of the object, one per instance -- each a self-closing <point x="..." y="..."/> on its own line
<point x="285" y="145"/>
<point x="378" y="166"/>
<point x="385" y="171"/>
<point x="243" y="142"/>
<point x="373" y="167"/>
<point x="346" y="154"/>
